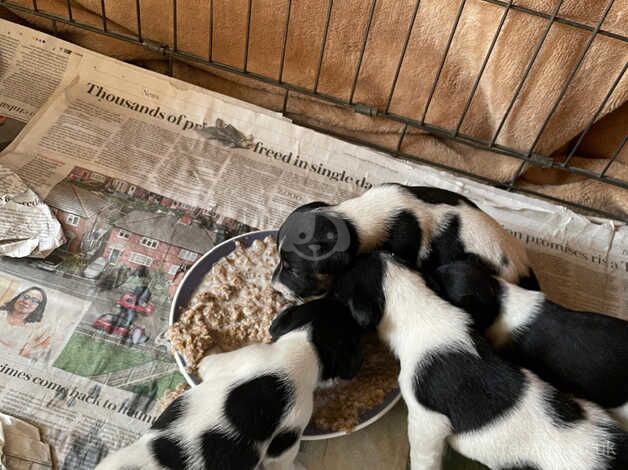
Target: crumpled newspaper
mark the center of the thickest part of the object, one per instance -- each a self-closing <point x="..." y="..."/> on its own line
<point x="21" y="447"/>
<point x="27" y="225"/>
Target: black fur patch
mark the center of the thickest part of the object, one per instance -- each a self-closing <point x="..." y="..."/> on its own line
<point x="581" y="353"/>
<point x="361" y="289"/>
<point x="404" y="237"/>
<point x="563" y="409"/>
<point x="529" y="282"/>
<point x="431" y="195"/>
<point x="168" y="453"/>
<point x="225" y="452"/>
<point x="334" y="333"/>
<point x="256" y="406"/>
<point x="174" y="411"/>
<point x="282" y="442"/>
<point x="471" y="391"/>
<point x="470" y="286"/>
<point x="504" y="261"/>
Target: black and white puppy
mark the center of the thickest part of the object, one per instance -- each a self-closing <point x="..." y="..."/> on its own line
<point x="254" y="403"/>
<point x="458" y="389"/>
<point x="583" y="353"/>
<point x="425" y="226"/>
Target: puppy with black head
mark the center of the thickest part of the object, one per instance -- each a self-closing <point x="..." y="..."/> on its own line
<point x="583" y="353"/>
<point x="253" y="404"/>
<point x="425" y="226"/>
<point x="459" y="390"/>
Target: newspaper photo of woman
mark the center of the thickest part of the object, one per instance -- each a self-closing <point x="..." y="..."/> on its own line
<point x="24" y="332"/>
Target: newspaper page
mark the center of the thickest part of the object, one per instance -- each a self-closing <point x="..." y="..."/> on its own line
<point x="146" y="173"/>
<point x="33" y="66"/>
<point x="79" y="418"/>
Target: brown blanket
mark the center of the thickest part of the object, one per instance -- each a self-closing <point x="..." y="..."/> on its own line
<point x="478" y="23"/>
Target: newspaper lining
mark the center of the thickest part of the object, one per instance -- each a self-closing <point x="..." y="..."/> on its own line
<point x="145" y="173"/>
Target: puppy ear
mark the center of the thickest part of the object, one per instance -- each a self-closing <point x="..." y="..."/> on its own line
<point x="361" y="289"/>
<point x="285" y="321"/>
<point x="463" y="281"/>
<point x="471" y="287"/>
<point x="366" y="311"/>
<point x="337" y="338"/>
<point x="351" y="362"/>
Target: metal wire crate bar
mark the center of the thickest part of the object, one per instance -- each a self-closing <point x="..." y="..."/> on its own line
<point x="419" y="119"/>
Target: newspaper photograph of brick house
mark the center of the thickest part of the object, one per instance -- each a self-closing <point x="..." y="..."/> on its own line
<point x="127" y="251"/>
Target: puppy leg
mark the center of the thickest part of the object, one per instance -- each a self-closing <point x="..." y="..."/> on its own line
<point x="285" y="461"/>
<point x="427" y="432"/>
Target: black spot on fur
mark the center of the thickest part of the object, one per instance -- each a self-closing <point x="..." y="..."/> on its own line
<point x="226" y="452"/>
<point x="504" y="261"/>
<point x="175" y="410"/>
<point x="431" y="195"/>
<point x="470" y="286"/>
<point x="168" y="453"/>
<point x="471" y="391"/>
<point x="563" y="409"/>
<point x="581" y="353"/>
<point x="256" y="406"/>
<point x="404" y="237"/>
<point x="361" y="289"/>
<point x="447" y="247"/>
<point x="333" y="331"/>
<point x="282" y="442"/>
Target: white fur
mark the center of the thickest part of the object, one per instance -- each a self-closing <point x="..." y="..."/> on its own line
<point x="621" y="415"/>
<point x="293" y="355"/>
<point x="416" y="325"/>
<point x="519" y="309"/>
<point x="480" y="233"/>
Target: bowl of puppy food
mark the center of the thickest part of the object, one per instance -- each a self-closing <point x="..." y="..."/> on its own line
<point x="225" y="302"/>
